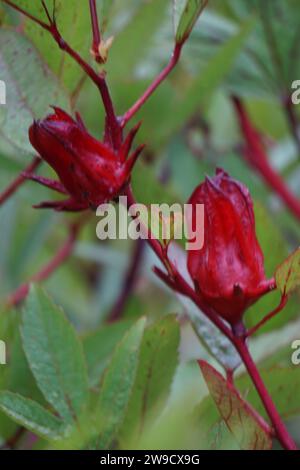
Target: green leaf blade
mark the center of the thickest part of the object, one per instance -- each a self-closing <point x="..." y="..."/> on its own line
<point x="188" y="13"/>
<point x="117" y="385"/>
<point x="55" y="356"/>
<point x="287" y="274"/>
<point x="248" y="428"/>
<point x="31" y="415"/>
<point x="32" y="89"/>
<point x="157" y="366"/>
<point x="99" y="346"/>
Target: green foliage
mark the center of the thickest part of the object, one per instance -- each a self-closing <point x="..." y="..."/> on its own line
<point x="98" y="347"/>
<point x="238" y="415"/>
<point x="31" y="415"/>
<point x="117" y="385"/>
<point x="186" y="14"/>
<point x="32" y="89"/>
<point x="54" y="354"/>
<point x="288" y="274"/>
<point x="73" y="379"/>
<point x="157" y="366"/>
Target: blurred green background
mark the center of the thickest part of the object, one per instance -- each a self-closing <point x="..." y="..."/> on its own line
<point x="248" y="48"/>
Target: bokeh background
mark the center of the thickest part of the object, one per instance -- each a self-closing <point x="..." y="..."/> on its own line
<point x="247" y="48"/>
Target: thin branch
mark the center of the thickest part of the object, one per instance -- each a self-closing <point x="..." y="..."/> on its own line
<point x="98" y="79"/>
<point x="14" y="186"/>
<point x="268" y="317"/>
<point x="60" y="257"/>
<point x="96" y="32"/>
<point x="257" y="157"/>
<point x="176" y="282"/>
<point x="129" y="281"/>
<point x="154" y="85"/>
<point x="27" y="14"/>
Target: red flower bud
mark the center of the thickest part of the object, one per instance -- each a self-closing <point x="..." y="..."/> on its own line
<point x="228" y="271"/>
<point x="90" y="172"/>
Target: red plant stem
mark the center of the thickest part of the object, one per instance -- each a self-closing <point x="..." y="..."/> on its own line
<point x="60" y="257"/>
<point x="14" y="186"/>
<point x="13" y="441"/>
<point x="96" y="31"/>
<point x="154" y="85"/>
<point x="98" y="79"/>
<point x="257" y="157"/>
<point x="268" y="317"/>
<point x="280" y="430"/>
<point x="153" y="242"/>
<point x="179" y="284"/>
<point x="129" y="281"/>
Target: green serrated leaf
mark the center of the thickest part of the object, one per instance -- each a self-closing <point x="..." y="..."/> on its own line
<point x="31" y="89"/>
<point x="117" y="386"/>
<point x="98" y="348"/>
<point x="242" y="420"/>
<point x="157" y="366"/>
<point x="186" y="13"/>
<point x="55" y="355"/>
<point x="287" y="275"/>
<point x="75" y="26"/>
<point x="31" y="415"/>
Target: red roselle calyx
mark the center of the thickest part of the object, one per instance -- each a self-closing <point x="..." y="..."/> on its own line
<point x="228" y="271"/>
<point x="90" y="171"/>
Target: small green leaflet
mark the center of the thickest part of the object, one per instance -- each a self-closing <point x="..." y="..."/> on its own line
<point x="32" y="89"/>
<point x="31" y="415"/>
<point x="117" y="386"/>
<point x="157" y="365"/>
<point x="248" y="428"/>
<point x="186" y="13"/>
<point x="55" y="355"/>
<point x="99" y="345"/>
<point x="287" y="275"/>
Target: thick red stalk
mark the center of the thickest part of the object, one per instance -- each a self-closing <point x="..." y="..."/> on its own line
<point x="176" y="282"/>
<point x="280" y="430"/>
<point x="257" y="157"/>
<point x="14" y="186"/>
<point x="154" y="85"/>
